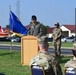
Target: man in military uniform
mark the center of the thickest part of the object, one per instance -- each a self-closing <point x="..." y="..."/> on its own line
<point x="35" y="28"/>
<point x="57" y="33"/>
<point x="50" y="64"/>
<point x="72" y="62"/>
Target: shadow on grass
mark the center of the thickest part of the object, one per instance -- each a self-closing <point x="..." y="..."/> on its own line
<point x="6" y="53"/>
<point x="2" y="74"/>
<point x="64" y="59"/>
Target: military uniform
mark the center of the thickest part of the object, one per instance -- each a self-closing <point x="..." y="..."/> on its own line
<point x="43" y="40"/>
<point x="72" y="62"/>
<point x="51" y="66"/>
<point x="57" y="33"/>
<point x="35" y="30"/>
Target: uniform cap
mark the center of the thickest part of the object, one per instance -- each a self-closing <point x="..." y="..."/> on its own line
<point x="42" y="41"/>
<point x="57" y="24"/>
<point x="33" y="17"/>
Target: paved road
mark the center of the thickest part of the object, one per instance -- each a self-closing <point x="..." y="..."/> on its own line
<point x="63" y="51"/>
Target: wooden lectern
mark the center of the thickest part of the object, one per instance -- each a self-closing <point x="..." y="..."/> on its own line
<point x="29" y="48"/>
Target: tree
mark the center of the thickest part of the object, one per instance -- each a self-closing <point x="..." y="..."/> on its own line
<point x="45" y="29"/>
<point x="7" y="26"/>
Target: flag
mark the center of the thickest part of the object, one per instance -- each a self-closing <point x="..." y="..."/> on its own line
<point x="2" y="33"/>
<point x="1" y="30"/>
<point x="15" y="25"/>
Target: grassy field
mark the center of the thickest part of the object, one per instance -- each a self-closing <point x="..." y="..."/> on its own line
<point x="65" y="44"/>
<point x="10" y="63"/>
<point x="8" y="43"/>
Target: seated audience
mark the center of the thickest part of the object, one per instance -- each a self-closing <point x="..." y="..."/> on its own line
<point x="50" y="64"/>
<point x="70" y="66"/>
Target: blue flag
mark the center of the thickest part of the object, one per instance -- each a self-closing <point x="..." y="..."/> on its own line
<point x="15" y="25"/>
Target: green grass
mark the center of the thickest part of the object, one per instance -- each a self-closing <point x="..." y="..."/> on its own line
<point x="8" y="43"/>
<point x="63" y="60"/>
<point x="10" y="63"/>
<point x="65" y="44"/>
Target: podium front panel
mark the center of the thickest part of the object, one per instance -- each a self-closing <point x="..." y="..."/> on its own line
<point x="29" y="48"/>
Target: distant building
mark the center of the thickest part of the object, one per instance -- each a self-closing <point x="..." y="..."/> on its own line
<point x="49" y="32"/>
<point x="68" y="30"/>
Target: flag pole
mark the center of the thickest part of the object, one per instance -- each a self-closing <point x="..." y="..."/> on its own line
<point x="75" y="25"/>
<point x="10" y="37"/>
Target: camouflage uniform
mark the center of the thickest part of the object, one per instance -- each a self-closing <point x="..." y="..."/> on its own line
<point x="72" y="62"/>
<point x="51" y="66"/>
<point x="57" y="32"/>
<point x="35" y="30"/>
<point x="43" y="41"/>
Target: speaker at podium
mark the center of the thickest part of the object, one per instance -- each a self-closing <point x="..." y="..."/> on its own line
<point x="29" y="48"/>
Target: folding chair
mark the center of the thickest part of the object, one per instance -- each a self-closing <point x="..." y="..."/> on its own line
<point x="69" y="72"/>
<point x="37" y="70"/>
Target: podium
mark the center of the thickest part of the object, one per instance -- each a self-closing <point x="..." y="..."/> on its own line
<point x="29" y="48"/>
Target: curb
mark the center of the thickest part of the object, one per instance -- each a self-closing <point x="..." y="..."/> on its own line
<point x="8" y="45"/>
<point x="62" y="47"/>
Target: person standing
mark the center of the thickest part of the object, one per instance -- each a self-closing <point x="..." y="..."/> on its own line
<point x="35" y="28"/>
<point x="57" y="33"/>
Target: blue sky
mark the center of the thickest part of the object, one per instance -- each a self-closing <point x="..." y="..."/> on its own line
<point x="48" y="12"/>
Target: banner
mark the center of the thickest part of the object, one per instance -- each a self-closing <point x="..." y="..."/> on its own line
<point x="15" y="25"/>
